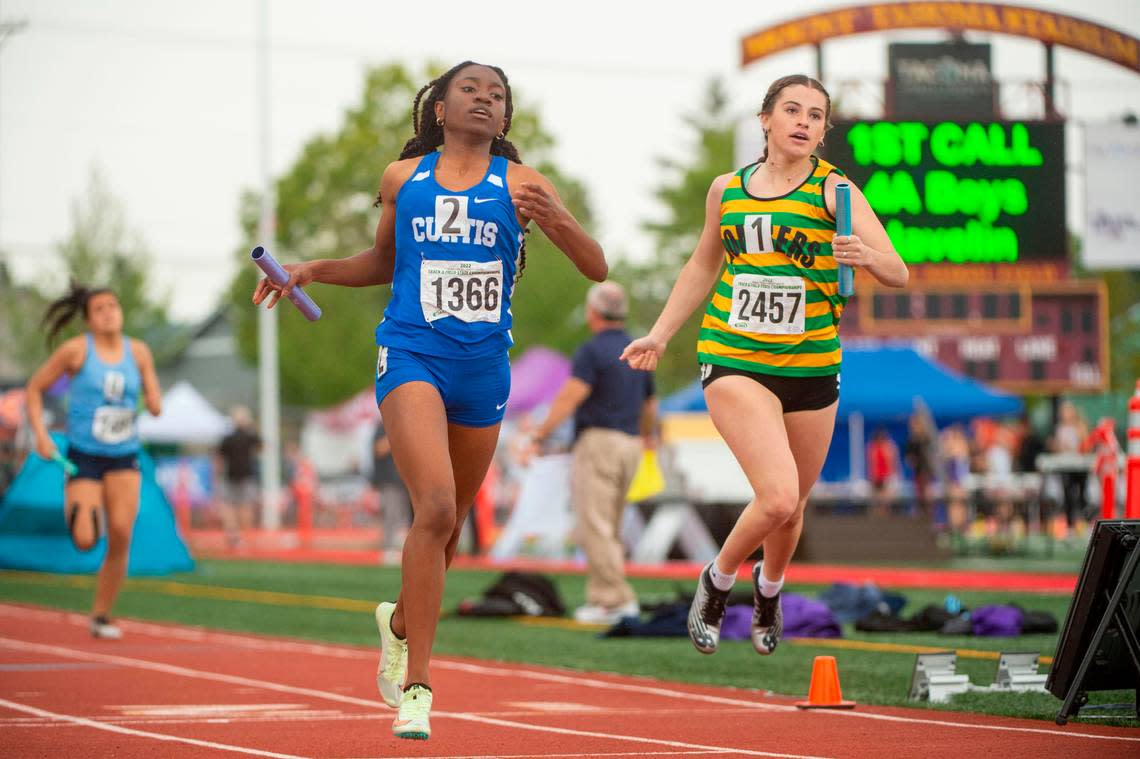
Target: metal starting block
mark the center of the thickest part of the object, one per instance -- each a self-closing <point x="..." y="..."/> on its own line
<point x="1018" y="672"/>
<point x="934" y="678"/>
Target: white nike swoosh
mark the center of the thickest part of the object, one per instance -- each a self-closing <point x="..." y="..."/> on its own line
<point x="483" y="200"/>
<point x="501" y="406"/>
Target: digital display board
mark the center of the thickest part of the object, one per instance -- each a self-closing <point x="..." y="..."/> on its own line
<point x="957" y="192"/>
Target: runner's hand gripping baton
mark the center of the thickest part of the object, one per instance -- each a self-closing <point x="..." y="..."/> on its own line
<point x="69" y="467"/>
<point x="843" y="227"/>
<point x="280" y="277"/>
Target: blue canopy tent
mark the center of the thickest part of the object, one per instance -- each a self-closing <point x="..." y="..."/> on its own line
<point x="881" y="387"/>
<point x="33" y="535"/>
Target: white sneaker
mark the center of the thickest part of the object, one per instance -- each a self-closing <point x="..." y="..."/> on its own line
<point x="593" y="614"/>
<point x="102" y="628"/>
<point x="415" y="707"/>
<point x="393" y="664"/>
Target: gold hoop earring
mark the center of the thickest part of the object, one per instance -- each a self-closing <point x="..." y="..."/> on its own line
<point x="501" y="135"/>
<point x="439" y="121"/>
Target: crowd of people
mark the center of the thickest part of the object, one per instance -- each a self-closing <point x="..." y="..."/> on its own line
<point x="984" y="476"/>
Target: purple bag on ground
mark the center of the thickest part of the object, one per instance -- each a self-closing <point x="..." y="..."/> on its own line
<point x="997" y="621"/>
<point x="803" y="618"/>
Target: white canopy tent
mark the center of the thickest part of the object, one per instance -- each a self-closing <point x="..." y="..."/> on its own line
<point x="187" y="418"/>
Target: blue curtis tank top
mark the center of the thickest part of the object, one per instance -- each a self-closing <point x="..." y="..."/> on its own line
<point x="456" y="260"/>
<point x="103" y="403"/>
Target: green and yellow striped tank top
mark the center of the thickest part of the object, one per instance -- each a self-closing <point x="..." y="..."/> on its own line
<point x="776" y="308"/>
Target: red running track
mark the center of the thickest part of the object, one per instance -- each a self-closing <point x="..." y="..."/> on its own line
<point x="176" y="692"/>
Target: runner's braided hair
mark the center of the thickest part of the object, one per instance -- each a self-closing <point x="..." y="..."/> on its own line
<point x="428" y="133"/>
<point x="61" y="310"/>
<point x="777" y="87"/>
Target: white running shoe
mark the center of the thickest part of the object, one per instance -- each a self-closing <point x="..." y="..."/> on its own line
<point x="706" y="614"/>
<point x="415" y="707"/>
<point x="767" y="617"/>
<point x="102" y="628"/>
<point x="393" y="657"/>
<point x="593" y="614"/>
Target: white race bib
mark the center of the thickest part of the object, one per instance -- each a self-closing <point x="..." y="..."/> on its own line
<point x="767" y="305"/>
<point x="468" y="290"/>
<point x="113" y="425"/>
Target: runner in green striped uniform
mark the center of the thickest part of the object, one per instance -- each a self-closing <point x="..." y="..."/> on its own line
<point x="769" y="342"/>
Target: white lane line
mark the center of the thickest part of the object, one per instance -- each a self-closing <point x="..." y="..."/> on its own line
<point x="200" y="634"/>
<point x="171" y="669"/>
<point x="576" y="753"/>
<point x="1000" y="728"/>
<point x="629" y="738"/>
<point x="140" y="733"/>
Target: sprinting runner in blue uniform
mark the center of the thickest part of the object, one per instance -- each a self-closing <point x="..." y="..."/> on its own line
<point x="450" y="240"/>
<point x="108" y="372"/>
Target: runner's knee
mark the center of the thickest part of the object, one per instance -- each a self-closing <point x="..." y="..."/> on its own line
<point x="435" y="514"/>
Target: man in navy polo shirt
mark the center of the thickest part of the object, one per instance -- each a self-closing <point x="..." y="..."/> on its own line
<point x="614" y="408"/>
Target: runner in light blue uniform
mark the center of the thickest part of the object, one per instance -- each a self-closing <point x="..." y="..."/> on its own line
<point x="449" y="320"/>
<point x="450" y="240"/>
<point x="102" y="406"/>
<point x="109" y="372"/>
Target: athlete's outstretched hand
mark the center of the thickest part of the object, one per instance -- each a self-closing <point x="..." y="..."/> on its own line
<point x="536" y="203"/>
<point x="299" y="275"/>
<point x="644" y="353"/>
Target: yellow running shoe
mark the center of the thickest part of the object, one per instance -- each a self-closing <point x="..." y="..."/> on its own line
<point x="415" y="707"/>
<point x="393" y="657"/>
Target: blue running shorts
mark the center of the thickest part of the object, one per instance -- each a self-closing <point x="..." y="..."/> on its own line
<point x="474" y="390"/>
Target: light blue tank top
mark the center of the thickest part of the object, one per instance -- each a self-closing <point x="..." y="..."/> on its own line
<point x="103" y="403"/>
<point x="456" y="259"/>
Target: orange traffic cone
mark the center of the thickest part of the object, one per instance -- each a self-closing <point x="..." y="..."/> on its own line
<point x="824" y="692"/>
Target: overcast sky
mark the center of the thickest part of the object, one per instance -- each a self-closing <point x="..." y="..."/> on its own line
<point x="160" y="97"/>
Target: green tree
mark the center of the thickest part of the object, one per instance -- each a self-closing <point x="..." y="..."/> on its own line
<point x="100" y="250"/>
<point x="683" y="195"/>
<point x="324" y="210"/>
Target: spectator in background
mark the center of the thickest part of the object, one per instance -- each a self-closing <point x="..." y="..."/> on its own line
<point x="395" y="503"/>
<point x="1030" y="445"/>
<point x="999" y="484"/>
<point x="237" y="486"/>
<point x="612" y="404"/>
<point x="920" y="454"/>
<point x="882" y="471"/>
<point x="956" y="453"/>
<point x="1069" y="434"/>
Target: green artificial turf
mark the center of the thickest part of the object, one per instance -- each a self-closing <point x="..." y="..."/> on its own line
<point x="872" y="677"/>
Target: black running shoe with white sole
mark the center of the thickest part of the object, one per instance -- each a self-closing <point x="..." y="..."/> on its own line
<point x="706" y="614"/>
<point x="767" y="617"/>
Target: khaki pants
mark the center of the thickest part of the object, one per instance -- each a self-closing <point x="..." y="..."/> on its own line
<point x="603" y="467"/>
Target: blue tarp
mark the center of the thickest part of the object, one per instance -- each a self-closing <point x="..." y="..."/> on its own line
<point x="883" y="385"/>
<point x="33" y="535"/>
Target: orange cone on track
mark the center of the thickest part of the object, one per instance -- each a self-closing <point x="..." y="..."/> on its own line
<point x="824" y="692"/>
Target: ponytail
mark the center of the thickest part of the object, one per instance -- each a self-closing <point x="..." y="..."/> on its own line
<point x="61" y="310"/>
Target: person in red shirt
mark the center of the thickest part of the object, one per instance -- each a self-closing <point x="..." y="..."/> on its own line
<point x="882" y="471"/>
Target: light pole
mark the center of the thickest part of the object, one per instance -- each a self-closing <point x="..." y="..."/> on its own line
<point x="267" y="363"/>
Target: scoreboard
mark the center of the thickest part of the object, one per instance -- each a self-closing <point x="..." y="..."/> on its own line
<point x="1025" y="338"/>
<point x="961" y="192"/>
<point x="977" y="211"/>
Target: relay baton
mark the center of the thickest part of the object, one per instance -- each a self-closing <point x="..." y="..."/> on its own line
<point x="280" y="277"/>
<point x="843" y="227"/>
<point x="69" y="467"/>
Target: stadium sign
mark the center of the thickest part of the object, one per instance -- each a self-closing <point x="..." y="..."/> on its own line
<point x="1044" y="26"/>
